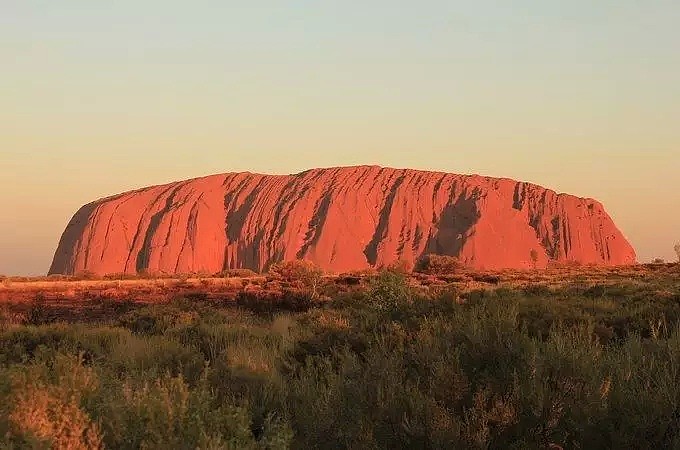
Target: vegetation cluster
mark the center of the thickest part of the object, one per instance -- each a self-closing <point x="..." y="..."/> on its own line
<point x="385" y="365"/>
<point x="395" y="360"/>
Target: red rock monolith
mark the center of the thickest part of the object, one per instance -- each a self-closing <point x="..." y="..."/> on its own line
<point x="343" y="219"/>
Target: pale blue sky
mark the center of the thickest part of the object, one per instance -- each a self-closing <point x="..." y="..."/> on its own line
<point x="579" y="96"/>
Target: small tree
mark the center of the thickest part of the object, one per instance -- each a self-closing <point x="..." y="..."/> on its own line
<point x="677" y="250"/>
<point x="237" y="273"/>
<point x="434" y="264"/>
<point x="388" y="291"/>
<point x="305" y="273"/>
<point x="533" y="254"/>
<point x="86" y="275"/>
<point x="399" y="266"/>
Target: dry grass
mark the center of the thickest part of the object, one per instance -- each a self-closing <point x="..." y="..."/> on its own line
<point x="332" y="319"/>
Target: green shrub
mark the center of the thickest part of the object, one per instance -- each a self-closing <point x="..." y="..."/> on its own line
<point x="434" y="264"/>
<point x="388" y="291"/>
<point x="46" y="405"/>
<point x="122" y="276"/>
<point x="399" y="266"/>
<point x="272" y="302"/>
<point x="156" y="319"/>
<point x="86" y="275"/>
<point x="302" y="274"/>
<point x="37" y="313"/>
<point x="238" y="273"/>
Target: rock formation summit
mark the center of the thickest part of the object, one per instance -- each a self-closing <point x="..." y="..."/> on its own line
<point x="343" y="219"/>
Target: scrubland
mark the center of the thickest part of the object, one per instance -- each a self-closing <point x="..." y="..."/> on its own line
<point x="573" y="358"/>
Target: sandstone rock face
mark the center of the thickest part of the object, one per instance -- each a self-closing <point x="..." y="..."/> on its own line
<point x="340" y="218"/>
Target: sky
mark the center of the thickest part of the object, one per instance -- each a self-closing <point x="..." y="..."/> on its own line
<point x="98" y="98"/>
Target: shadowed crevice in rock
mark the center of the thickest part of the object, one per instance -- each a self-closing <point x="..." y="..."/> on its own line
<point x="553" y="246"/>
<point x="110" y="223"/>
<point x="371" y="250"/>
<point x="144" y="255"/>
<point x="417" y="239"/>
<point x="236" y="218"/>
<point x="519" y="196"/>
<point x="455" y="223"/>
<point x="190" y="234"/>
<point x="315" y="225"/>
<point x="141" y="229"/>
<point x="292" y="197"/>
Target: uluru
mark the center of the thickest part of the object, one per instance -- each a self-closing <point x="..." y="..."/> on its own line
<point x="343" y="219"/>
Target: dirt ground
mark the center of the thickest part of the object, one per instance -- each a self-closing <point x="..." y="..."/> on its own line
<point x="94" y="299"/>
